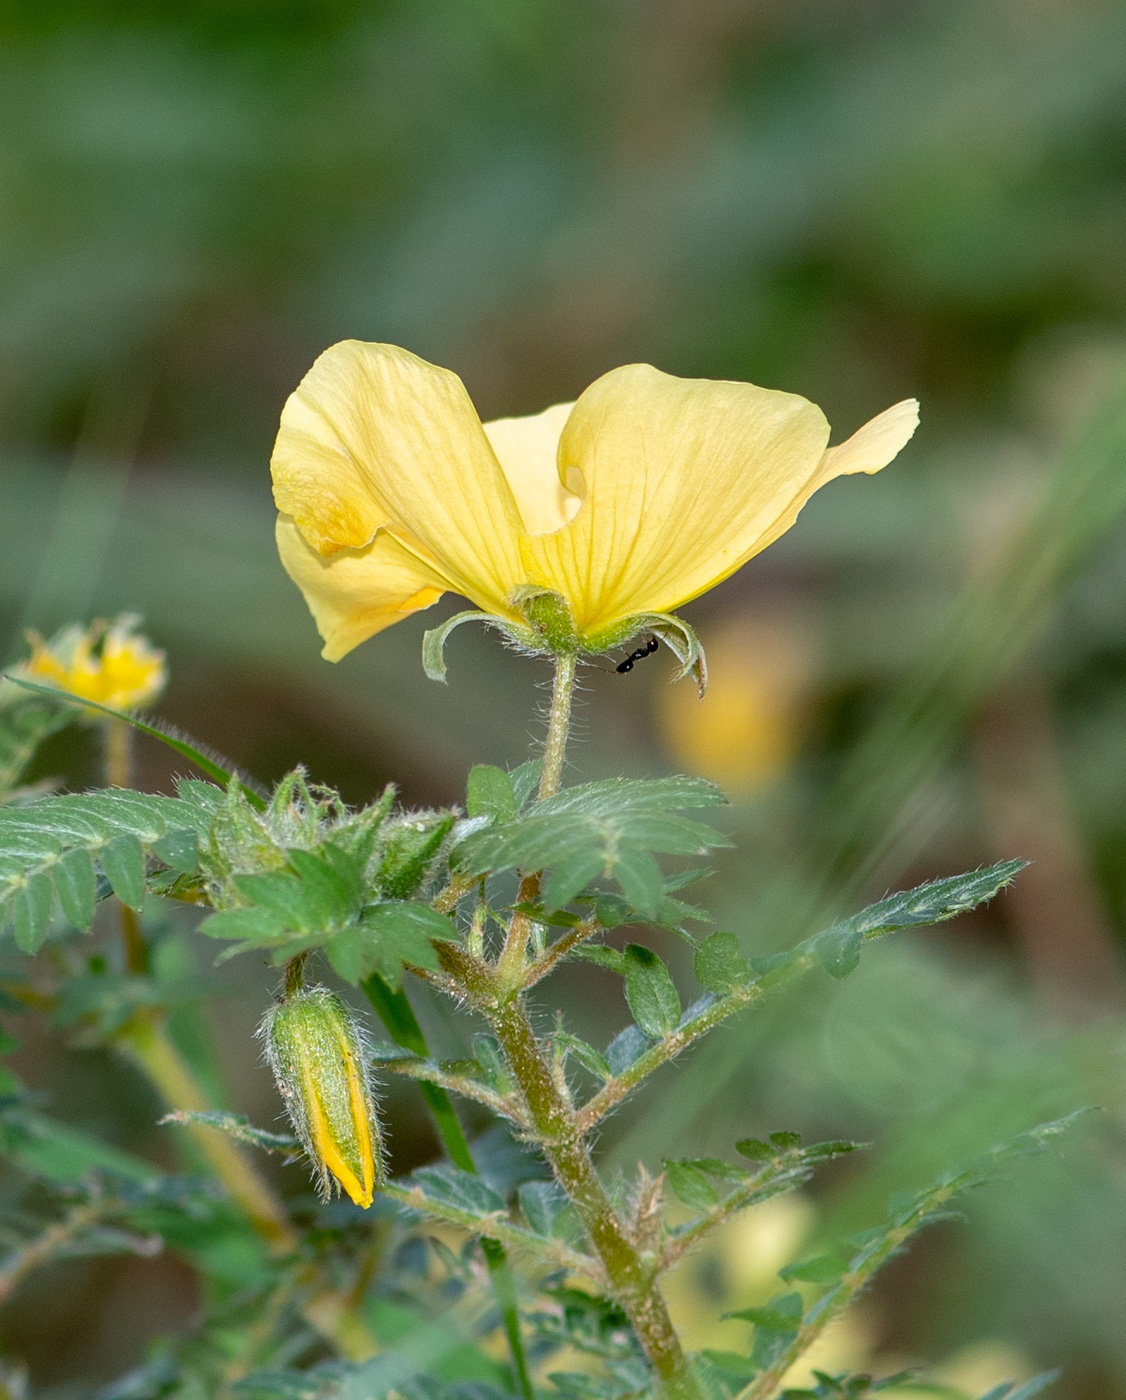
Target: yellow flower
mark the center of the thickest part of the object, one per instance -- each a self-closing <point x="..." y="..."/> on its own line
<point x="646" y="492"/>
<point x="113" y="665"/>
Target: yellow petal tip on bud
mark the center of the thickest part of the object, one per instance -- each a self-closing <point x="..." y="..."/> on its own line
<point x="112" y="664"/>
<point x="316" y="1050"/>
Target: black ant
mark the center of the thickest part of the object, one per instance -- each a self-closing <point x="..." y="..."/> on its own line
<point x="647" y="650"/>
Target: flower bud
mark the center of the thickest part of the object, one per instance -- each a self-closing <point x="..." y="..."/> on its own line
<point x="316" y="1049"/>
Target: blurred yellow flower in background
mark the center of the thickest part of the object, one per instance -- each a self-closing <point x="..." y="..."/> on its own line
<point x="644" y="493"/>
<point x="112" y="664"/>
<point x="760" y="671"/>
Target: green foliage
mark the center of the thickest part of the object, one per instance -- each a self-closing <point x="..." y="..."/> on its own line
<point x="845" y="1387"/>
<point x="490" y="793"/>
<point x="378" y="894"/>
<point x="606" y="830"/>
<point x="25" y="722"/>
<point x="237" y="1125"/>
<point x="785" y="1328"/>
<point x="69" y="707"/>
<point x="48" y="846"/>
<point x="650" y="992"/>
<point x="838" y="948"/>
<point x="719" y="965"/>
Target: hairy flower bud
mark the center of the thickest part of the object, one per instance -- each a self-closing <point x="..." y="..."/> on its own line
<point x="316" y="1049"/>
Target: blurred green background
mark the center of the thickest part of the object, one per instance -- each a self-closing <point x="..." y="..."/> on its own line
<point x="857" y="200"/>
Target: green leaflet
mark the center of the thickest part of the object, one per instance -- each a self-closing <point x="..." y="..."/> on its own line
<point x="604" y="830"/>
<point x="490" y="793"/>
<point x="49" y="847"/>
<point x="838" y="948"/>
<point x="652" y="998"/>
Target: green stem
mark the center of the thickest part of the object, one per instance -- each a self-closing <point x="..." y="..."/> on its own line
<point x="46" y="1246"/>
<point x="397" y="1014"/>
<point x="558" y="725"/>
<point x="295" y="975"/>
<point x="117" y="741"/>
<point x="632" y="1279"/>
<point x="511" y="964"/>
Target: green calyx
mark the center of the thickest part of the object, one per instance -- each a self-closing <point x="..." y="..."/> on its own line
<point x="676" y="634"/>
<point x="550" y="631"/>
<point x="550" y="617"/>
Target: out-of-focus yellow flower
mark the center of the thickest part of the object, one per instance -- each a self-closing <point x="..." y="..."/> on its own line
<point x="759" y="671"/>
<point x="113" y="665"/>
<point x="646" y="492"/>
<point x="316" y="1051"/>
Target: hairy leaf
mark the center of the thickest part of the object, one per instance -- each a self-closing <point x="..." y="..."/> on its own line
<point x="490" y="793"/>
<point x="719" y="965"/>
<point x="650" y="992"/>
<point x="607" y="829"/>
<point x="838" y="948"/>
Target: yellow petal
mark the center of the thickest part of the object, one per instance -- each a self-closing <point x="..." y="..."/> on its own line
<point x="869" y="449"/>
<point x="681" y="478"/>
<point x="874" y="445"/>
<point x="527" y="449"/>
<point x="357" y="592"/>
<point x="376" y="439"/>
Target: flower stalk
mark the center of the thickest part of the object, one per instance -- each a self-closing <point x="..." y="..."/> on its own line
<point x="513" y="958"/>
<point x="558" y="725"/>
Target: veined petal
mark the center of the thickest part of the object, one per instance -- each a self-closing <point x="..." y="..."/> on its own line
<point x="375" y="438"/>
<point x="356" y="592"/>
<point x="527" y="449"/>
<point x="869" y="449"/>
<point x="681" y="478"/>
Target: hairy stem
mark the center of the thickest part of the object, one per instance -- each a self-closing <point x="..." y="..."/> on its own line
<point x="558" y="726"/>
<point x="44" y="1247"/>
<point x="631" y="1279"/>
<point x="549" y="960"/>
<point x="398" y="1016"/>
<point x="117" y="742"/>
<point x="514" y="953"/>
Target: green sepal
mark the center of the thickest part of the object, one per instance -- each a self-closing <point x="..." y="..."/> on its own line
<point x="676" y="634"/>
<point x="434" y="641"/>
<point x="411" y="847"/>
